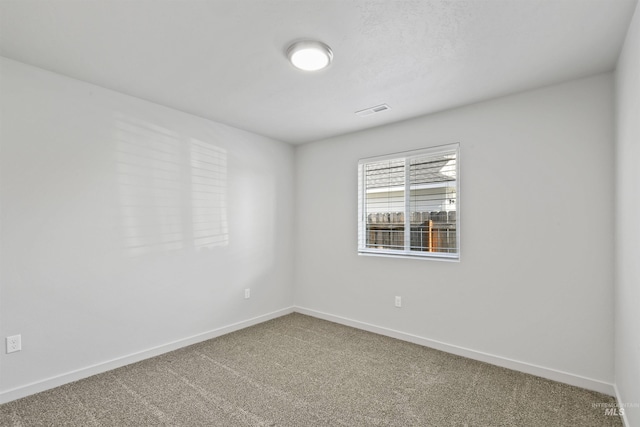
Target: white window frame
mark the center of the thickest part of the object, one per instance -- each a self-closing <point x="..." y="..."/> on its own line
<point x="362" y="199"/>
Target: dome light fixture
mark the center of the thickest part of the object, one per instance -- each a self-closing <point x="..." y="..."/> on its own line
<point x="309" y="55"/>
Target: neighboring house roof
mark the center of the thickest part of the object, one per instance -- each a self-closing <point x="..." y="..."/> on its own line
<point x="390" y="173"/>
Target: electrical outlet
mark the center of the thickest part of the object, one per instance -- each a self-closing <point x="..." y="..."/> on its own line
<point x="247" y="293"/>
<point x="14" y="343"/>
<point x="398" y="301"/>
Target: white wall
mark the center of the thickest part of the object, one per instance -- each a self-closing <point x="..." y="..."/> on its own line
<point x="535" y="280"/>
<point x="127" y="226"/>
<point x="627" y="291"/>
<point x="103" y="259"/>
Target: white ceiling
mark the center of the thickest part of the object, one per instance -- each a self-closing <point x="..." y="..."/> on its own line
<point x="225" y="60"/>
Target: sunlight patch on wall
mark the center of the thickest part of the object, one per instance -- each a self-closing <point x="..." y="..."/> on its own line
<point x="149" y="176"/>
<point x="173" y="190"/>
<point x="208" y="195"/>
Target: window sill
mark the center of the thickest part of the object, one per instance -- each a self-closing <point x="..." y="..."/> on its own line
<point x="409" y="255"/>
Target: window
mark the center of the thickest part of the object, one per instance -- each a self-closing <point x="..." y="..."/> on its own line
<point x="408" y="204"/>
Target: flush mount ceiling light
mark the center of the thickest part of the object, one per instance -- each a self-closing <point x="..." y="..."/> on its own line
<point x="310" y="55"/>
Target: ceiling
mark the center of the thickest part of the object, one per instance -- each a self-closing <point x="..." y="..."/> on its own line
<point x="225" y="60"/>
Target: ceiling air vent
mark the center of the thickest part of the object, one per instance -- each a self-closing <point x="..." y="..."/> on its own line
<point x="373" y="110"/>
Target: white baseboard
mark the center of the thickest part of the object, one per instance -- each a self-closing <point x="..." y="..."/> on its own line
<point x="625" y="420"/>
<point x="528" y="368"/>
<point x="552" y="374"/>
<point x="58" y="380"/>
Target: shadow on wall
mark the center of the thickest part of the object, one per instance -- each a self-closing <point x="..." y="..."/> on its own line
<point x="173" y="191"/>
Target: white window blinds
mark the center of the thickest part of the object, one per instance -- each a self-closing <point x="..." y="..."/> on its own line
<point x="408" y="204"/>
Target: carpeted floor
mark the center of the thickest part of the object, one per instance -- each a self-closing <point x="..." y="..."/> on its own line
<point x="301" y="371"/>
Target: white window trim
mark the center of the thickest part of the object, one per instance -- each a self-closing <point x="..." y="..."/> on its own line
<point x="362" y="220"/>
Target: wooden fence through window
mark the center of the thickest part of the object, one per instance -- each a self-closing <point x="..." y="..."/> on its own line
<point x="430" y="231"/>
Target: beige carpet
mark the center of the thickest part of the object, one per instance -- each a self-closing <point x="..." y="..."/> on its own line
<point x="301" y="371"/>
